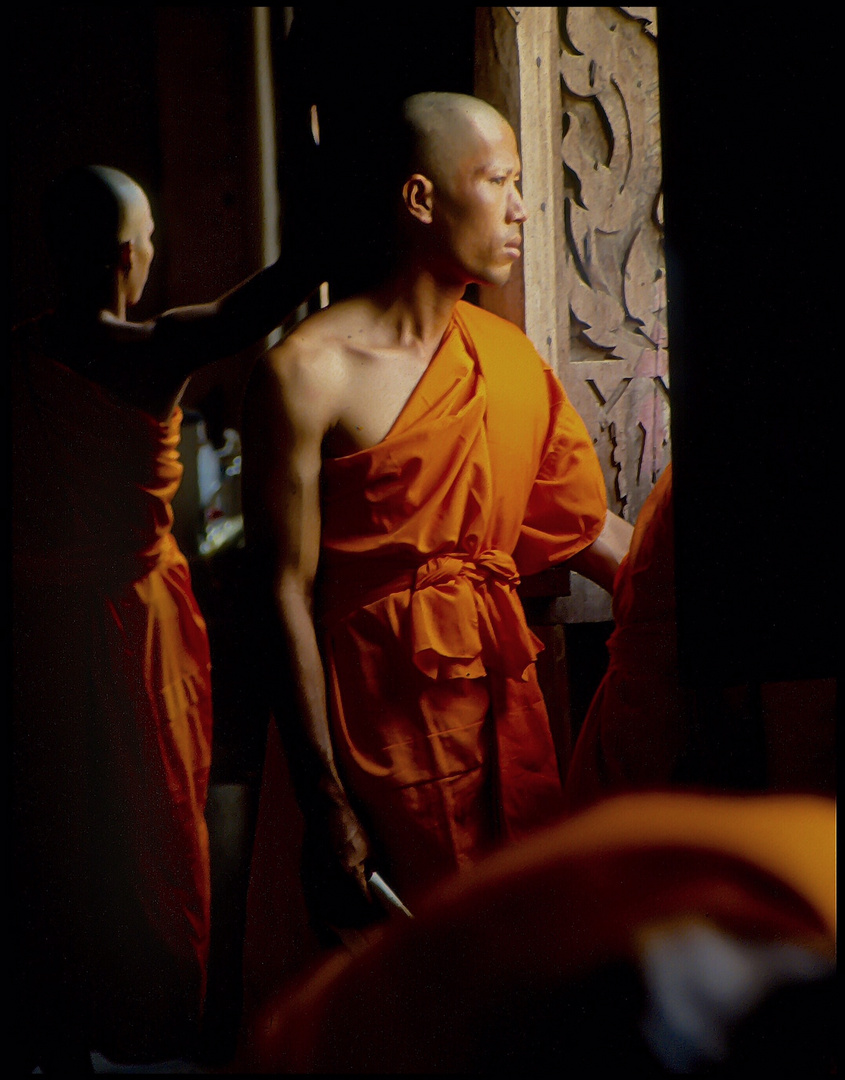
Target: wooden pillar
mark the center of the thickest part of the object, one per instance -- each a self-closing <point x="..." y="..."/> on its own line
<point x="515" y="70"/>
<point x="497" y="81"/>
<point x="265" y="122"/>
<point x="517" y="53"/>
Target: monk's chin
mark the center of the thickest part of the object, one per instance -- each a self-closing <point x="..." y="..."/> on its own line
<point x="498" y="277"/>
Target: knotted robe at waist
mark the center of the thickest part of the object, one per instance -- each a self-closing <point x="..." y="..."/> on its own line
<point x="464" y="615"/>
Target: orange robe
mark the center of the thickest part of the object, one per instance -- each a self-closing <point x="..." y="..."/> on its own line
<point x="637" y="725"/>
<point x="437" y="718"/>
<point x="640" y="729"/>
<point x="112" y="716"/>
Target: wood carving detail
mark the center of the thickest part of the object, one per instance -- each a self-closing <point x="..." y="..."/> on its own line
<point x="611" y="160"/>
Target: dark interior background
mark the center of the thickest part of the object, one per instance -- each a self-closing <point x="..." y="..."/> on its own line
<point x="752" y="267"/>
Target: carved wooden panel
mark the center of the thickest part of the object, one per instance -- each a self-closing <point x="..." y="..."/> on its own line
<point x="617" y="369"/>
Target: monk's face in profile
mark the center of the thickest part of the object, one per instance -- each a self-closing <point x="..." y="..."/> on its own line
<point x="478" y="210"/>
<point x="137" y="232"/>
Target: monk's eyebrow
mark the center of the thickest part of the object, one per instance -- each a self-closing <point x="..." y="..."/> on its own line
<point x="491" y="167"/>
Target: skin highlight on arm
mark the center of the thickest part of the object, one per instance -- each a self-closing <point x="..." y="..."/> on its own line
<point x="600" y="560"/>
<point x="293" y="396"/>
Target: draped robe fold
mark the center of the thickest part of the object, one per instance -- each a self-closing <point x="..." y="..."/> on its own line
<point x="646" y="728"/>
<point x="439" y="725"/>
<point x="112" y="716"/>
<point x="636" y="726"/>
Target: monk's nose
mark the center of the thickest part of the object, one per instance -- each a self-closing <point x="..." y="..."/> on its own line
<point x="518" y="212"/>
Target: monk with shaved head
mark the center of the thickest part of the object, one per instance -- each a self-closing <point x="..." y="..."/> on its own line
<point x="112" y="707"/>
<point x="407" y="457"/>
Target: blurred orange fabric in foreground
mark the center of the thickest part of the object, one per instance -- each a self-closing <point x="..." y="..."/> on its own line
<point x="430" y="995"/>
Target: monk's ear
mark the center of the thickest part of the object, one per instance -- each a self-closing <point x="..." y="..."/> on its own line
<point x="126" y="256"/>
<point x="418" y="195"/>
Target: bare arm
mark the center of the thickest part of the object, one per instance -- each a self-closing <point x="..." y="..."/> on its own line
<point x="148" y="363"/>
<point x="202" y="333"/>
<point x="285" y="417"/>
<point x="600" y="560"/>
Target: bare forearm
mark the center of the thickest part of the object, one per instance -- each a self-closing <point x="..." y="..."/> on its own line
<point x="263" y="302"/>
<point x="600" y="560"/>
<point x="206" y="332"/>
<point x="305" y="728"/>
<point x="283" y="431"/>
<point x="329" y="819"/>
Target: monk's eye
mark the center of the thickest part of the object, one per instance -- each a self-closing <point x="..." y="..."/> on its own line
<point x="498" y="179"/>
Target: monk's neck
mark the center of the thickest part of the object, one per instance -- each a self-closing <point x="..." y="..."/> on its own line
<point x="417" y="307"/>
<point x="80" y="308"/>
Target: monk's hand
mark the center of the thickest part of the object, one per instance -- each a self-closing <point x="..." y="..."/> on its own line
<point x="334" y="853"/>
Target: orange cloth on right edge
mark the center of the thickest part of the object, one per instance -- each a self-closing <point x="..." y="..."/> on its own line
<point x="638" y="730"/>
<point x="750" y="879"/>
<point x="438" y="722"/>
<point x="636" y="726"/>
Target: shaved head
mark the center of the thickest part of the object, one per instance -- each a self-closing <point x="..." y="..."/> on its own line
<point x="443" y="137"/>
<point x="88" y="212"/>
<point x="440" y="126"/>
<point x="461" y="209"/>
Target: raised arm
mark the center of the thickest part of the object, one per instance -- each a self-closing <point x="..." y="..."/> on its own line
<point x="148" y="363"/>
<point x="195" y="335"/>
<point x="286" y="414"/>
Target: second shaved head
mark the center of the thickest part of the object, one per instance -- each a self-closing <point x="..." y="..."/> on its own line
<point x="98" y="222"/>
<point x="89" y="211"/>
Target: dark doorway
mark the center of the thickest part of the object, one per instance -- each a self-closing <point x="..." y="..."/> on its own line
<point x="346" y="69"/>
<point x="750" y="203"/>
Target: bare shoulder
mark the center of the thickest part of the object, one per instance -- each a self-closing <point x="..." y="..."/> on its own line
<point x="330" y="333"/>
<point x="306" y="374"/>
<point x="323" y="345"/>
